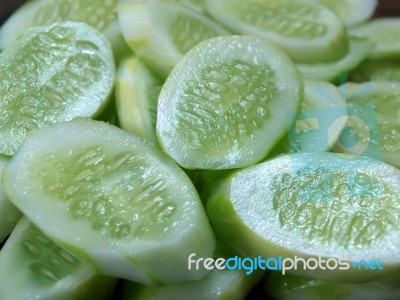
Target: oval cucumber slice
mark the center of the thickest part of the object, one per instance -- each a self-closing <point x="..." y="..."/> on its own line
<point x="137" y="91"/>
<point x="379" y="135"/>
<point x="9" y="214"/>
<point x="33" y="267"/>
<point x="40" y="76"/>
<point x="226" y="103"/>
<point x="375" y="70"/>
<point x="111" y="199"/>
<point x="384" y="33"/>
<point x="100" y="15"/>
<point x="360" y="48"/>
<point x="319" y="122"/>
<point x="313" y="205"/>
<point x="291" y="287"/>
<point x="161" y="32"/>
<point x="352" y="12"/>
<point x="308" y="32"/>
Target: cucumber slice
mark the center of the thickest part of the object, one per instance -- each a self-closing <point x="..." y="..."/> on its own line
<point x="290" y="287"/>
<point x="376" y="71"/>
<point x="319" y="122"/>
<point x="384" y="33"/>
<point x="217" y="285"/>
<point x="307" y="31"/>
<point x="313" y="205"/>
<point x="194" y="4"/>
<point x="226" y="103"/>
<point x="352" y="12"/>
<point x="33" y="267"/>
<point x="52" y="73"/>
<point x="9" y="214"/>
<point x="100" y="15"/>
<point x="112" y="200"/>
<point x="359" y="49"/>
<point x="161" y="32"/>
<point x="137" y="91"/>
<point x="384" y="98"/>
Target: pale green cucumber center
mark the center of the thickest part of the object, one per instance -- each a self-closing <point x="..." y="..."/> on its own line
<point x="88" y="11"/>
<point x="286" y="18"/>
<point x="188" y="31"/>
<point x="352" y="210"/>
<point x="229" y="101"/>
<point x="48" y="263"/>
<point x="120" y="195"/>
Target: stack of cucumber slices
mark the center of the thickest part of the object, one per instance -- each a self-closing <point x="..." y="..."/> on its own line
<point x="199" y="149"/>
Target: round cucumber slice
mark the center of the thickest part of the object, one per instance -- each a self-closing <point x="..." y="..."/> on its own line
<point x="319" y="122"/>
<point x="137" y="91"/>
<point x="377" y="137"/>
<point x="352" y="12"/>
<point x="384" y="33"/>
<point x="112" y="200"/>
<point x="307" y="31"/>
<point x="100" y="15"/>
<point x="9" y="214"/>
<point x="33" y="267"/>
<point x="226" y="103"/>
<point x="373" y="70"/>
<point x="161" y="32"/>
<point x="313" y="205"/>
<point x="52" y="73"/>
<point x="360" y="48"/>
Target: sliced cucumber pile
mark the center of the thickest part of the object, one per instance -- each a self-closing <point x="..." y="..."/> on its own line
<point x="182" y="147"/>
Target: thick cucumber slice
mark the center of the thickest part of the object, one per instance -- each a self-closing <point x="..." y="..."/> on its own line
<point x="137" y="91"/>
<point x="52" y="73"/>
<point x="378" y="137"/>
<point x="352" y="12"/>
<point x="33" y="267"/>
<point x="9" y="214"/>
<point x="291" y="287"/>
<point x="161" y="32"/>
<point x="100" y="15"/>
<point x="225" y="105"/>
<point x="217" y="285"/>
<point x="384" y="33"/>
<point x="319" y="122"/>
<point x="360" y="48"/>
<point x="308" y="31"/>
<point x="377" y="71"/>
<point x="114" y="201"/>
<point x="313" y="205"/>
